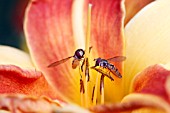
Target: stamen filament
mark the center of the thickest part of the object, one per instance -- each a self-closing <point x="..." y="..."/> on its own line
<point x="82" y="99"/>
<point x="86" y="93"/>
<point x="102" y="88"/>
<point x="93" y="93"/>
<point x="96" y="89"/>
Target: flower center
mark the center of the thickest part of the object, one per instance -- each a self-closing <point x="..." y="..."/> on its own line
<point x="92" y="85"/>
<point x="89" y="93"/>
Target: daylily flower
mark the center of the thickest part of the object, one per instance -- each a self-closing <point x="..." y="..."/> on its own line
<point x="54" y="29"/>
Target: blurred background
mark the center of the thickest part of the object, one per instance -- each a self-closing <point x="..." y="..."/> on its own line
<point x="11" y="23"/>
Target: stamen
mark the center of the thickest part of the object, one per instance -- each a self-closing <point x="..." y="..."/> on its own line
<point x="93" y="94"/>
<point x="102" y="88"/>
<point x="82" y="65"/>
<point x="95" y="91"/>
<point x="82" y="100"/>
<point x="82" y="86"/>
<point x="87" y="70"/>
<point x="104" y="74"/>
<point x="80" y="71"/>
<point x="82" y="92"/>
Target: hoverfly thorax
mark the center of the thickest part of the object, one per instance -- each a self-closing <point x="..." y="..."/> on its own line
<point x="78" y="56"/>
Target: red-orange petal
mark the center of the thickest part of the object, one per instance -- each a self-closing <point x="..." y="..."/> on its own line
<point x="27" y="104"/>
<point x="135" y="103"/>
<point x="133" y="6"/>
<point x="15" y="80"/>
<point x="150" y="93"/>
<point x="149" y="89"/>
<point x="152" y="81"/>
<point x="107" y="39"/>
<point x="51" y="32"/>
<point x="107" y="27"/>
<point x="48" y="28"/>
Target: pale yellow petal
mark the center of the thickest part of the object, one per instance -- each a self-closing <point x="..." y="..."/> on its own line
<point x="147" y="39"/>
<point x="146" y="103"/>
<point x="71" y="108"/>
<point x="10" y="55"/>
<point x="4" y="111"/>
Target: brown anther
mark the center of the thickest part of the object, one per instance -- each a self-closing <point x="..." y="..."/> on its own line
<point x="93" y="93"/>
<point x="82" y="90"/>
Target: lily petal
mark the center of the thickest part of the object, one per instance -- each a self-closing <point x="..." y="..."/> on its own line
<point x="10" y="55"/>
<point x="152" y="81"/>
<point x="135" y="103"/>
<point x="150" y="89"/>
<point x="48" y="28"/>
<point x="69" y="108"/>
<point x="107" y="28"/>
<point x="17" y="70"/>
<point x="50" y="22"/>
<point x="149" y="93"/>
<point x="26" y="104"/>
<point x="148" y="39"/>
<point x="167" y="85"/>
<point x="107" y="38"/>
<point x="29" y="82"/>
<point x="133" y="7"/>
<point x="145" y="103"/>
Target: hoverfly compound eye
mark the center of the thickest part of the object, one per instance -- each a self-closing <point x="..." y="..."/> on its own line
<point x="79" y="53"/>
<point x="98" y="60"/>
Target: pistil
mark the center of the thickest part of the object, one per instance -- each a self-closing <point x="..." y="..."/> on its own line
<point x="89" y="93"/>
<point x="87" y="47"/>
<point x="86" y="77"/>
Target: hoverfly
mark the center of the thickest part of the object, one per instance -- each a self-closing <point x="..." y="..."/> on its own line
<point x="105" y="64"/>
<point x="78" y="56"/>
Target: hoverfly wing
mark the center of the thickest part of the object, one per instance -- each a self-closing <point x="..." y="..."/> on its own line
<point x="59" y="62"/>
<point x="117" y="59"/>
<point x="116" y="73"/>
